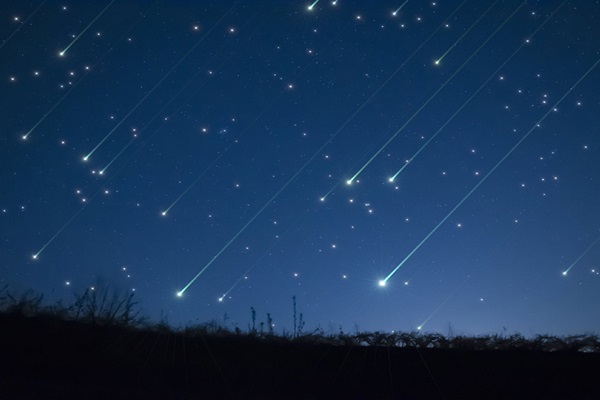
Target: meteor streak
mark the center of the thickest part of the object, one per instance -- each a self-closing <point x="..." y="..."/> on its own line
<point x="158" y="83"/>
<point x="491" y="171"/>
<point x="261" y="257"/>
<point x="441" y="305"/>
<point x="5" y="41"/>
<point x="36" y="255"/>
<point x="62" y="53"/>
<point x="312" y="5"/>
<point x="26" y="136"/>
<point x="399" y="8"/>
<point x="565" y="272"/>
<point x="432" y="96"/>
<point x="439" y="60"/>
<point x="471" y="98"/>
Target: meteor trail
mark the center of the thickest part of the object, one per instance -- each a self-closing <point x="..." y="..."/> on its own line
<point x="399" y="8"/>
<point x="312" y="5"/>
<point x="439" y="60"/>
<point x="471" y="98"/>
<point x="5" y="41"/>
<point x="158" y="83"/>
<point x="261" y="257"/>
<point x="441" y="305"/>
<point x="492" y="170"/>
<point x="565" y="272"/>
<point x="430" y="98"/>
<point x="62" y="53"/>
<point x="36" y="255"/>
<point x="384" y="84"/>
<point x="26" y="136"/>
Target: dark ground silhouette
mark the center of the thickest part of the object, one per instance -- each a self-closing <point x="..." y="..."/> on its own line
<point x="45" y="356"/>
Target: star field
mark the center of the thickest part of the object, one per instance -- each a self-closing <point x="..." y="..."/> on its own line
<point x="394" y="165"/>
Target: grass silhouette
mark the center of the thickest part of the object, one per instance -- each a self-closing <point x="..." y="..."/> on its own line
<point x="100" y="346"/>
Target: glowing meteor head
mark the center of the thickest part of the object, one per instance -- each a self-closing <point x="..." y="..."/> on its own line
<point x="394" y="13"/>
<point x="322" y="199"/>
<point x="101" y="172"/>
<point x="61" y="54"/>
<point x="220" y="299"/>
<point x="564" y="273"/>
<point x="391" y="180"/>
<point x="180" y="294"/>
<point x="437" y="62"/>
<point x="349" y="182"/>
<point x="382" y="283"/>
<point x="24" y="137"/>
<point x="35" y="256"/>
<point x="419" y="327"/>
<point x="85" y="158"/>
<point x="163" y="213"/>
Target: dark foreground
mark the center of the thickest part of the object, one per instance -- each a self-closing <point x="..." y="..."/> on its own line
<point x="45" y="357"/>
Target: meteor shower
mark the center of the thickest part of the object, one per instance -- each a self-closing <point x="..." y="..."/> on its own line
<point x="415" y="166"/>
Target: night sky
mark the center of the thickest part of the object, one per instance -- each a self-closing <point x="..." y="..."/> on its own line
<point x="392" y="164"/>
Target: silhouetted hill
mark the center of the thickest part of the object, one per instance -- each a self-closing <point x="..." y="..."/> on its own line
<point x="45" y="356"/>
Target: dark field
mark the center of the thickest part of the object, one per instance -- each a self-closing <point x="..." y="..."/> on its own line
<point x="47" y="357"/>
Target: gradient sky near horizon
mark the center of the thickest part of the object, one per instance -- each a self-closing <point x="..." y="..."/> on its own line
<point x="240" y="153"/>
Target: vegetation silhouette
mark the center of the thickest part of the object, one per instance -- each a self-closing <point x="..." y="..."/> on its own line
<point x="101" y="346"/>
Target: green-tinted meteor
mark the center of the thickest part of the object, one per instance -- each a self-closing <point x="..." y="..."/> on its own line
<point x="62" y="53"/>
<point x="395" y="12"/>
<point x="565" y="272"/>
<point x="491" y="171"/>
<point x="312" y="5"/>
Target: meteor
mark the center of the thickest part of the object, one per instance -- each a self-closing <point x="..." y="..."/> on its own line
<point x="439" y="60"/>
<point x="441" y="305"/>
<point x="245" y="274"/>
<point x="393" y="178"/>
<point x="312" y="5"/>
<point x="565" y="272"/>
<point x="399" y="8"/>
<point x="431" y="97"/>
<point x="5" y="41"/>
<point x="350" y="181"/>
<point x="158" y="83"/>
<point x="62" y="53"/>
<point x="26" y="136"/>
<point x="422" y="242"/>
<point x="36" y="255"/>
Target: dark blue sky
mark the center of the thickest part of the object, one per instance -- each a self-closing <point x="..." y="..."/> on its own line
<point x="245" y="120"/>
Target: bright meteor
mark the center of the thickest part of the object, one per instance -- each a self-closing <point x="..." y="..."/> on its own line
<point x="393" y="178"/>
<point x="431" y="97"/>
<point x="422" y="242"/>
<point x="64" y="51"/>
<point x="565" y="272"/>
<point x="312" y="5"/>
<point x="395" y="12"/>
